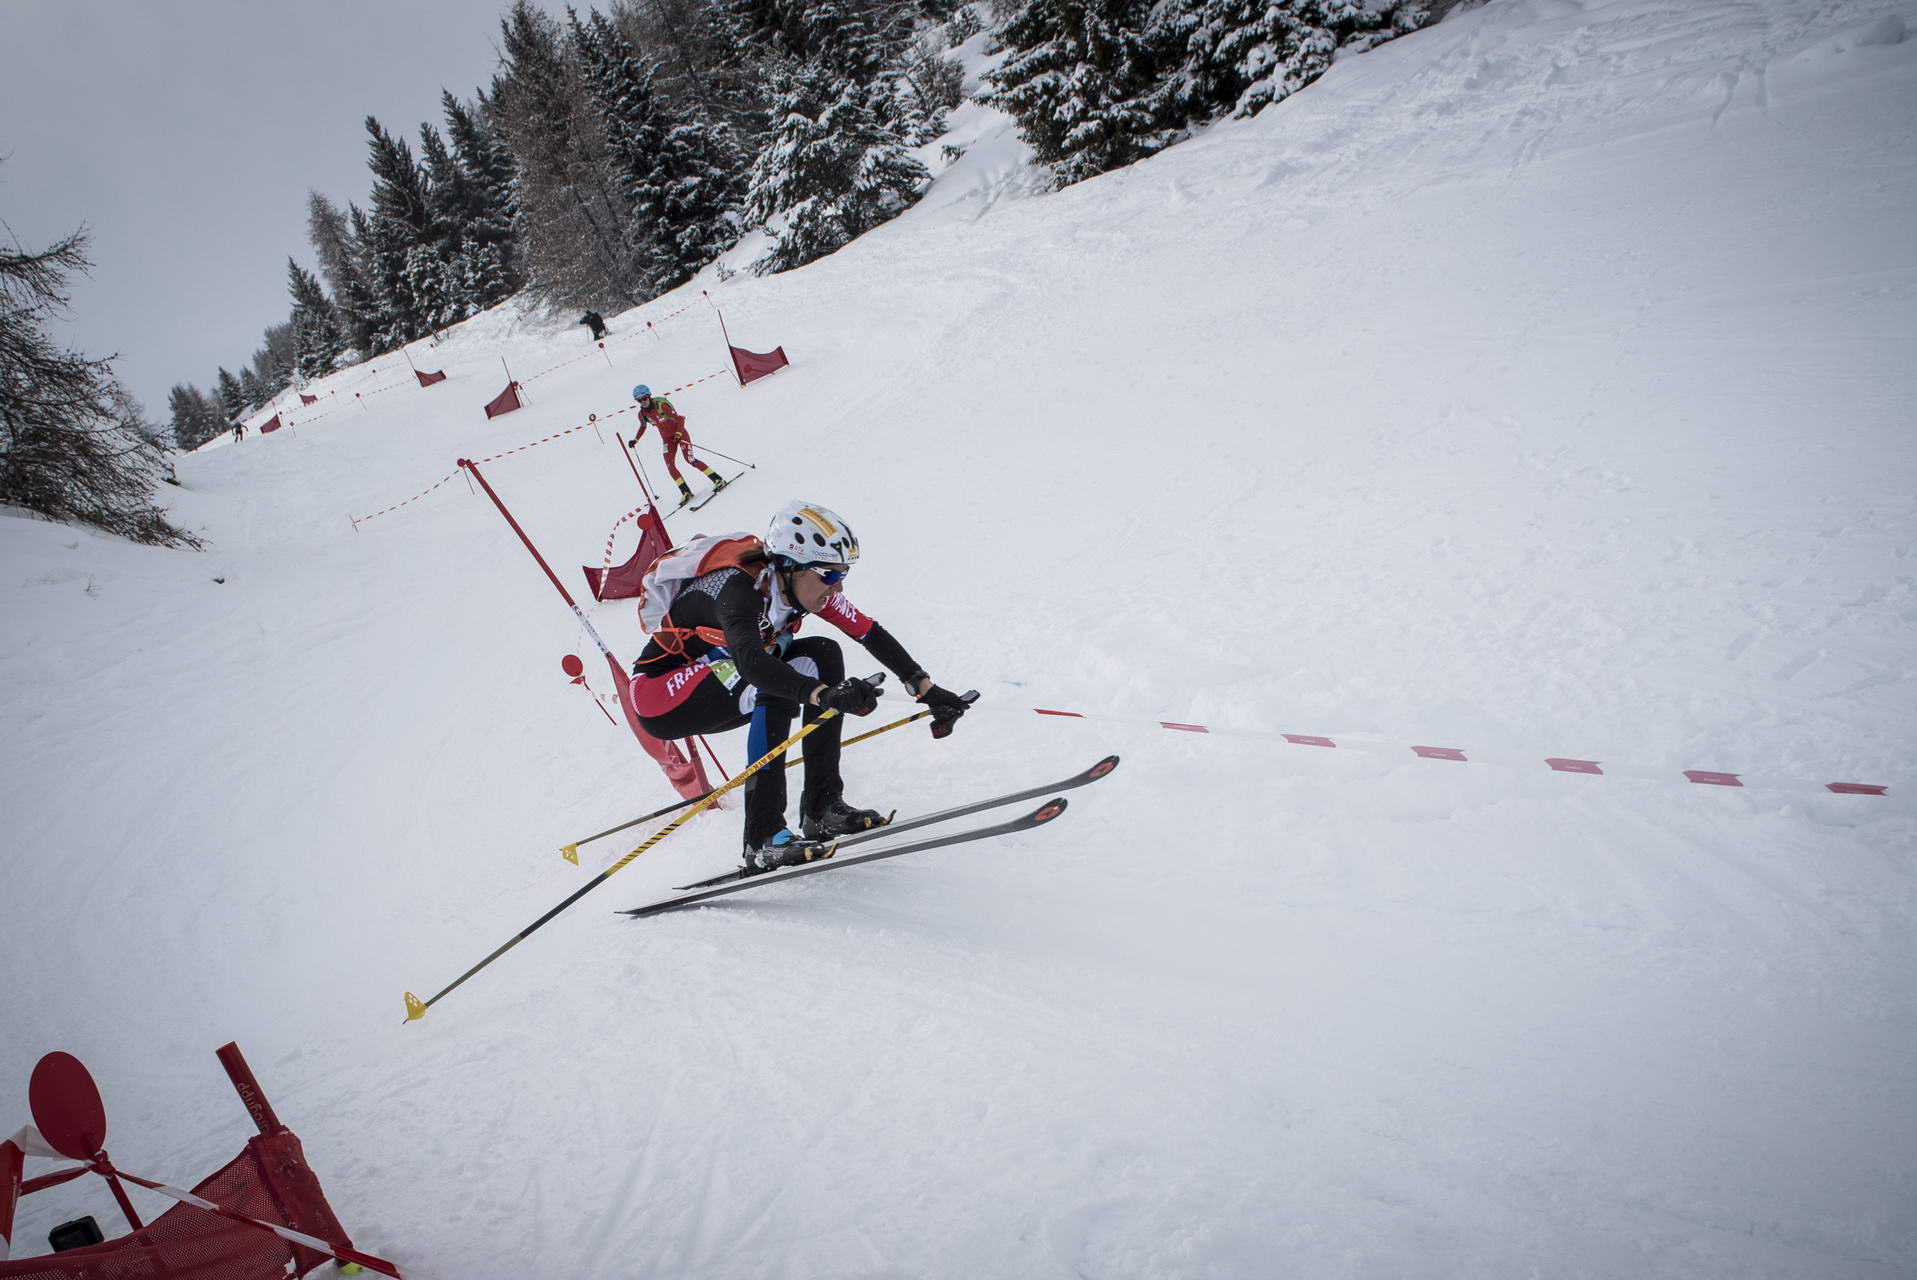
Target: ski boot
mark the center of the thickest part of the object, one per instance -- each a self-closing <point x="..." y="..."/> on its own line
<point x="781" y="849"/>
<point x="685" y="494"/>
<point x="833" y="817"/>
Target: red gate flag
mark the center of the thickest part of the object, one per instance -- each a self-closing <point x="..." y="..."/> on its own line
<point x="624" y="582"/>
<point x="505" y="402"/>
<point x="306" y="399"/>
<point x="428" y="379"/>
<point x="271" y="424"/>
<point x="751" y="365"/>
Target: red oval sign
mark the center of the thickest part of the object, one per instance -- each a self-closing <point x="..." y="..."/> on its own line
<point x="572" y="665"/>
<point x="66" y="1106"/>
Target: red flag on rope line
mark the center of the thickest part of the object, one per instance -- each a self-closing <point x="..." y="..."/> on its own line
<point x="752" y="365"/>
<point x="505" y="402"/>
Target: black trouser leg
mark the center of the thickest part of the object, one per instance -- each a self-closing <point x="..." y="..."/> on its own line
<point x="822" y="779"/>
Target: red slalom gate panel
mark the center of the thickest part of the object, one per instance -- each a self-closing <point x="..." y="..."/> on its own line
<point x="505" y="402"/>
<point x="752" y="365"/>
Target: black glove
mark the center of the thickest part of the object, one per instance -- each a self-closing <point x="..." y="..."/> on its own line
<point x="946" y="706"/>
<point x="851" y="696"/>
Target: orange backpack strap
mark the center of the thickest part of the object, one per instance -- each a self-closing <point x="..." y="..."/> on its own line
<point x="742" y="552"/>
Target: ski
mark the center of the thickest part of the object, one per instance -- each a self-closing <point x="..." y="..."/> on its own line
<point x="1037" y="818"/>
<point x="716" y="492"/>
<point x="1072" y="783"/>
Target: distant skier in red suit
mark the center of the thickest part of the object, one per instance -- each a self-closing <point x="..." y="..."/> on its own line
<point x="672" y="436"/>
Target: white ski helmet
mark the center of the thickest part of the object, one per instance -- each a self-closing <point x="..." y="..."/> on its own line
<point x="805" y="533"/>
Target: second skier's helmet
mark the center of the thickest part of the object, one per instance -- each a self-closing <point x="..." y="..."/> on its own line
<point x="805" y="533"/>
<point x="641" y="391"/>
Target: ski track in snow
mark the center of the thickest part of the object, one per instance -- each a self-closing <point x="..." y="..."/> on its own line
<point x="1538" y="382"/>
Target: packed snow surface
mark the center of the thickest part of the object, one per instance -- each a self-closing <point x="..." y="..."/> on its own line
<point x="1536" y="385"/>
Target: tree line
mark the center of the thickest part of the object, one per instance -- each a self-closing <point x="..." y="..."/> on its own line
<point x="614" y="155"/>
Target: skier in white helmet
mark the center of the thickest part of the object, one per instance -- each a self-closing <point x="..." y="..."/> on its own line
<point x="724" y="613"/>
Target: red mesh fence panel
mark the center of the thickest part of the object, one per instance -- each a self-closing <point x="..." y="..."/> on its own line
<point x="270" y="1180"/>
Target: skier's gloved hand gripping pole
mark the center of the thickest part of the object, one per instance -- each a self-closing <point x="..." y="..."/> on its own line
<point x="571" y="851"/>
<point x="946" y="708"/>
<point x="416" y="1008"/>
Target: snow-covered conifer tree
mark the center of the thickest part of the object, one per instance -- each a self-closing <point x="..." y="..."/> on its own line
<point x="73" y="443"/>
<point x="401" y="220"/>
<point x="1080" y="79"/>
<point x="1240" y="56"/>
<point x="832" y="169"/>
<point x="339" y="261"/>
<point x="572" y="216"/>
<point x="681" y="178"/>
<point x="232" y="400"/>
<point x="317" y="335"/>
<point x="488" y="219"/>
<point x="253" y="387"/>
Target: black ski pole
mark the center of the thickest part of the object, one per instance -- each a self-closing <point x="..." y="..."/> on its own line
<point x="706" y="448"/>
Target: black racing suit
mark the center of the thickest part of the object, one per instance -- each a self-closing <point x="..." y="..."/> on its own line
<point x="685" y="683"/>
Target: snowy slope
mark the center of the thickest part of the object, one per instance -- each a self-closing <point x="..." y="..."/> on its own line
<point x="1536" y="384"/>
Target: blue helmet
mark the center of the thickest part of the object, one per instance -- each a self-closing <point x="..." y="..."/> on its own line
<point x="641" y="391"/>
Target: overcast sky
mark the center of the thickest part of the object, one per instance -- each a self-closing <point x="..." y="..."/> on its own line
<point x="185" y="135"/>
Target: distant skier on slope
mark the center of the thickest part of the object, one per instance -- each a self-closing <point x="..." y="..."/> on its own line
<point x="672" y="436"/>
<point x="596" y="322"/>
<point x="723" y="613"/>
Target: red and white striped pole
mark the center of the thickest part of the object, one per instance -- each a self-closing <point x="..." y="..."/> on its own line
<point x="686" y="775"/>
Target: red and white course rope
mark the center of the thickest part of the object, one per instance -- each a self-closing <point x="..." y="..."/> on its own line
<point x="1558" y="764"/>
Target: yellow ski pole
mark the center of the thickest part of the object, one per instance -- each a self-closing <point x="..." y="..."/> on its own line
<point x="571" y="851"/>
<point x="416" y="1008"/>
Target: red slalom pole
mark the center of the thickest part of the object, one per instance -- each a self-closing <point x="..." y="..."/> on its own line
<point x="688" y="776"/>
<point x="715" y="758"/>
<point x="724" y="334"/>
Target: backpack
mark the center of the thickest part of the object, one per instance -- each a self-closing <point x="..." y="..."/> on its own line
<point x="678" y="566"/>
